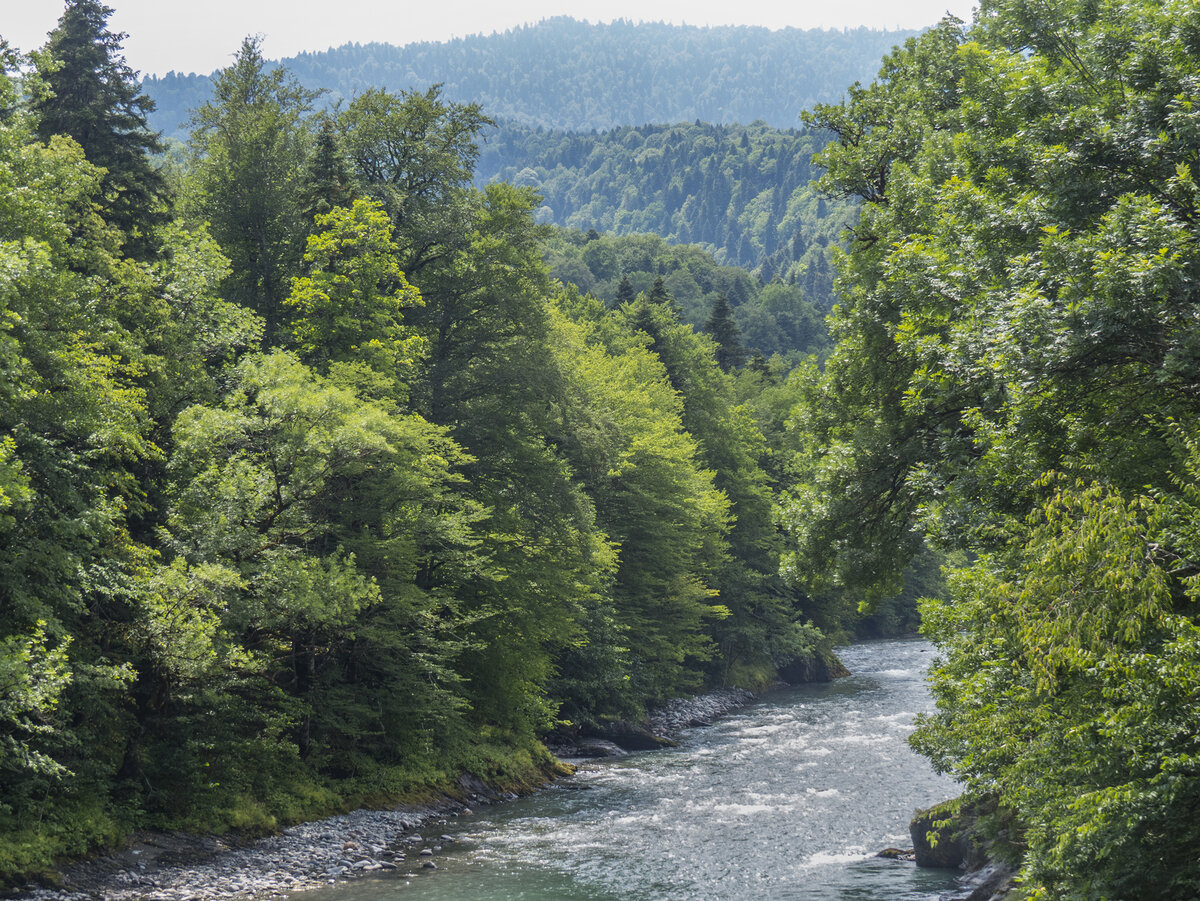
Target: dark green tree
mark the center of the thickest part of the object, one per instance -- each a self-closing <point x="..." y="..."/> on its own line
<point x="625" y="292"/>
<point x="248" y="150"/>
<point x="94" y="97"/>
<point x="414" y="153"/>
<point x="658" y="292"/>
<point x="327" y="180"/>
<point x="724" y="331"/>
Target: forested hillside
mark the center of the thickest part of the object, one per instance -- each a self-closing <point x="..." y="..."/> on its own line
<point x="776" y="318"/>
<point x="316" y="489"/>
<point x="1017" y="381"/>
<point x="743" y="192"/>
<point x="567" y="74"/>
<point x="328" y="474"/>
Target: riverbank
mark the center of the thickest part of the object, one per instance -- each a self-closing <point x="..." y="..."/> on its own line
<point x="180" y="867"/>
<point x="983" y="855"/>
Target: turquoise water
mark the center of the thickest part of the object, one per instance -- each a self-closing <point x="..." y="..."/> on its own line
<point x="788" y="799"/>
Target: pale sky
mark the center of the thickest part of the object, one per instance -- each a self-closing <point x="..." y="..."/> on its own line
<point x="202" y="35"/>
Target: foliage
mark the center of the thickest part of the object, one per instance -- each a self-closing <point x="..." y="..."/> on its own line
<point x="247" y="150"/>
<point x="326" y="492"/>
<point x="349" y="308"/>
<point x="1015" y="379"/>
<point x="742" y="192"/>
<point x="88" y="93"/>
<point x="777" y="318"/>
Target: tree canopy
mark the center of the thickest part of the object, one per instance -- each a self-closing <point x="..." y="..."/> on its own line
<point x="1014" y="377"/>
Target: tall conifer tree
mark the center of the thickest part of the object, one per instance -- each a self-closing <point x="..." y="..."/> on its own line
<point x="95" y="98"/>
<point x="725" y="332"/>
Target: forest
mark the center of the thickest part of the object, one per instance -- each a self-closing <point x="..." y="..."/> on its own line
<point x="566" y="74"/>
<point x="330" y="471"/>
<point x="1014" y="381"/>
<point x="317" y="489"/>
<point x="744" y="193"/>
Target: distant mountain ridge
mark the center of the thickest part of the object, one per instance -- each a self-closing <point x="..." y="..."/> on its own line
<point x="566" y="74"/>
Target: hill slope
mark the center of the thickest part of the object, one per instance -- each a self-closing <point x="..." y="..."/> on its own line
<point x="742" y="192"/>
<point x="562" y="73"/>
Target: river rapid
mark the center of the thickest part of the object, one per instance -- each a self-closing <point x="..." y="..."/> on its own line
<point x="789" y="798"/>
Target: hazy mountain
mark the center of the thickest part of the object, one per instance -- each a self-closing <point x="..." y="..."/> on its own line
<point x="562" y="73"/>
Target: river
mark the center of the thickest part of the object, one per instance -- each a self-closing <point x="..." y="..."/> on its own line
<point x="789" y="798"/>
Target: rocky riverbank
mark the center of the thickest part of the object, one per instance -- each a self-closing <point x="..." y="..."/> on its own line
<point x="960" y="844"/>
<point x="656" y="731"/>
<point x="176" y="867"/>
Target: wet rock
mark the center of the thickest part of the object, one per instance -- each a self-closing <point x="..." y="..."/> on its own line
<point x="897" y="854"/>
<point x="634" y="737"/>
<point x="429" y="865"/>
<point x="937" y="842"/>
<point x="476" y="788"/>
<point x="994" y="882"/>
<point x="594" y="747"/>
<point x="683" y="713"/>
<point x="819" y="667"/>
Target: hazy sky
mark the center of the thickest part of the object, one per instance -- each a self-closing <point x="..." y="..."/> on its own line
<point x="201" y="35"/>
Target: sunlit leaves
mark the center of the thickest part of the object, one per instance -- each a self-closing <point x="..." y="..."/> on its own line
<point x="350" y="305"/>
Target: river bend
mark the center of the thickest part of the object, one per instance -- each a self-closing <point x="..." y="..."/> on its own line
<point x="789" y="798"/>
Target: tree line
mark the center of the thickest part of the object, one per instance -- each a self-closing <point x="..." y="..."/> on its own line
<point x="742" y="192"/>
<point x="566" y="74"/>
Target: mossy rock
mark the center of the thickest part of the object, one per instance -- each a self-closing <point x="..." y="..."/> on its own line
<point x="939" y="837"/>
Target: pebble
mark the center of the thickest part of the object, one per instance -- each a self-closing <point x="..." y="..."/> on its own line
<point x="314" y="854"/>
<point x="303" y="857"/>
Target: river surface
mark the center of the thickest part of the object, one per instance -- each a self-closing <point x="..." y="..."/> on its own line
<point x="789" y="798"/>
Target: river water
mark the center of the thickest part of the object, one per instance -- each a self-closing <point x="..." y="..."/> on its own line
<point x="790" y="798"/>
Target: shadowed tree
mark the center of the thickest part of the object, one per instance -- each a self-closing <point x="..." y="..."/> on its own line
<point x="248" y="150"/>
<point x="724" y="331"/>
<point x="94" y="98"/>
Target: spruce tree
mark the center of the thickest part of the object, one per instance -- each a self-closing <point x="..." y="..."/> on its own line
<point x="95" y="98"/>
<point x="624" y="292"/>
<point x="327" y="181"/>
<point x="662" y="297"/>
<point x="725" y="333"/>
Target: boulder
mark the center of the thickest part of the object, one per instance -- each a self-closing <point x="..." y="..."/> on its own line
<point x="596" y="747"/>
<point x="937" y="837"/>
<point x="821" y="666"/>
<point x="635" y="737"/>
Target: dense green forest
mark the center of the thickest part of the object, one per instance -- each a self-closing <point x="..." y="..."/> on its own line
<point x="1016" y="380"/>
<point x="743" y="192"/>
<point x="316" y="489"/>
<point x="328" y="471"/>
<point x="773" y="319"/>
<point x="566" y="74"/>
